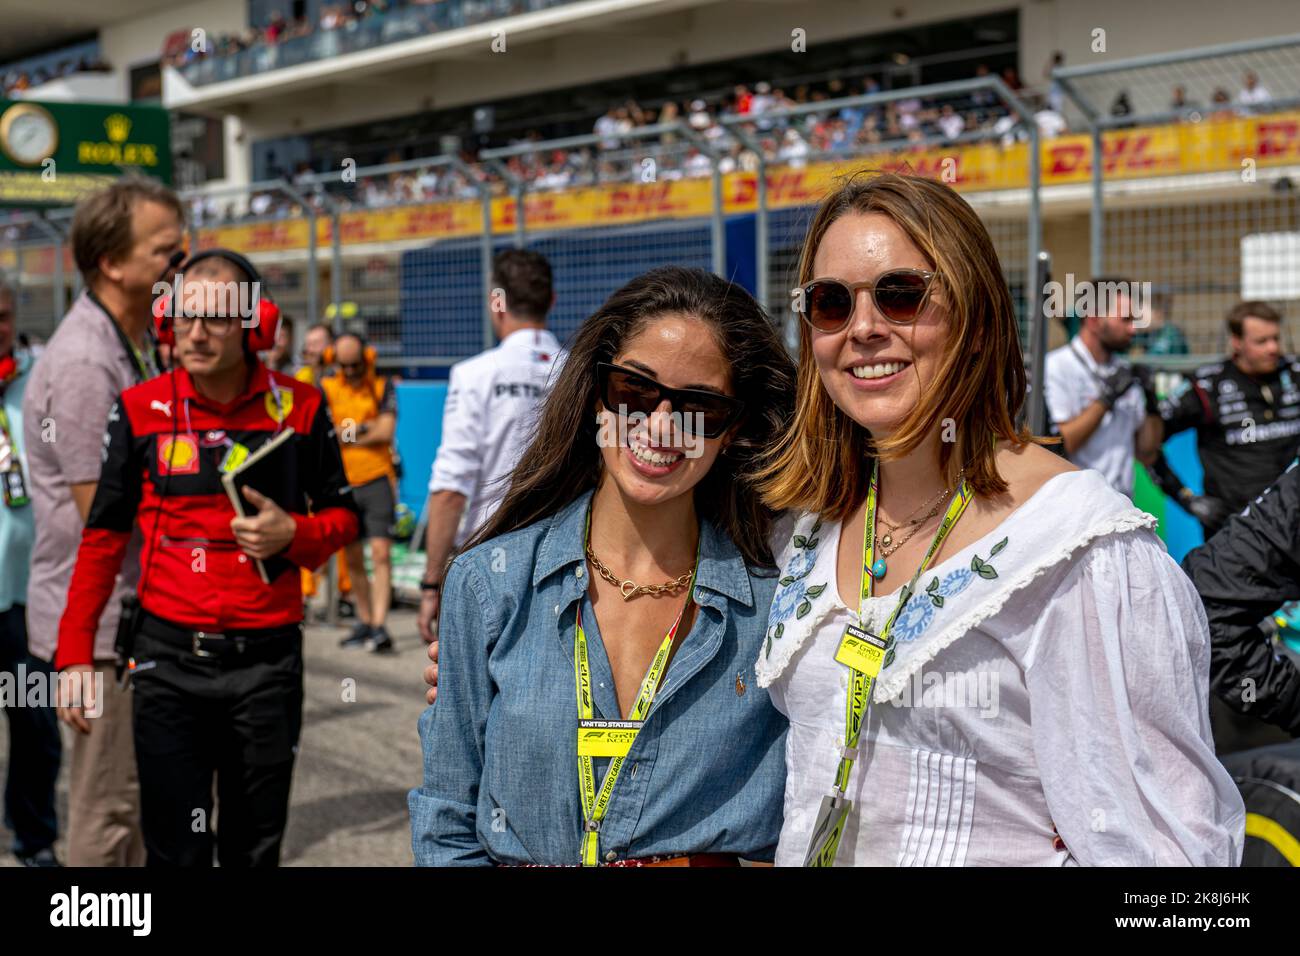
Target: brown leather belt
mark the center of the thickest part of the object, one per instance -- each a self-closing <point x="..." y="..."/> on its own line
<point x="690" y="859"/>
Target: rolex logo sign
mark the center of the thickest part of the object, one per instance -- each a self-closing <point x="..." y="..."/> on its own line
<point x="118" y="128"/>
<point x="117" y="151"/>
<point x="89" y="143"/>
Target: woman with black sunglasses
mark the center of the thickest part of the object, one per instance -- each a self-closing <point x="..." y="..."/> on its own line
<point x="596" y="699"/>
<point x="986" y="655"/>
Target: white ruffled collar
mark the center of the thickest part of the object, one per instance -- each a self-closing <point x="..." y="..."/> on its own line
<point x="954" y="596"/>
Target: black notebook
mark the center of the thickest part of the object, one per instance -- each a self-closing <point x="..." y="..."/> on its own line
<point x="271" y="471"/>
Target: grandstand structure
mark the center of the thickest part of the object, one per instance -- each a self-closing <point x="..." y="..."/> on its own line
<point x="371" y="157"/>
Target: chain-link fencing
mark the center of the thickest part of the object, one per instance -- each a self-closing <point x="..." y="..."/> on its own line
<point x="1196" y="190"/>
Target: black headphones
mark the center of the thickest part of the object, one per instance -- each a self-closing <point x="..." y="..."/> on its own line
<point x="234" y="258"/>
<point x="257" y="338"/>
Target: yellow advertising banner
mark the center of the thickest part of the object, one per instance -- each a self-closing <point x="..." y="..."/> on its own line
<point x="435" y="220"/>
<point x="37" y="260"/>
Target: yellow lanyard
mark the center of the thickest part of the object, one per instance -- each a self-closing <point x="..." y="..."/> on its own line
<point x="9" y="440"/>
<point x="611" y="738"/>
<point x="864" y="653"/>
<point x="144" y="366"/>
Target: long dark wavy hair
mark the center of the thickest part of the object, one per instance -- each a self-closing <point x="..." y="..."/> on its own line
<point x="563" y="461"/>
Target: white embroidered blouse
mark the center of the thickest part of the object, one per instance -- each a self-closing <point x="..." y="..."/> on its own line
<point x="1054" y="674"/>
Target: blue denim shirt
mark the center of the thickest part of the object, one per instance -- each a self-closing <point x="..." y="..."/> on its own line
<point x="707" y="771"/>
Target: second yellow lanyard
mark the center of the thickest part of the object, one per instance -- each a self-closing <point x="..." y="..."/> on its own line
<point x="864" y="653"/>
<point x="611" y="738"/>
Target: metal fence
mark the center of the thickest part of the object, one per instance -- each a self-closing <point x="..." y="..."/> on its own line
<point x="402" y="252"/>
<point x="38" y="267"/>
<point x="1199" y="200"/>
<point x="1196" y="193"/>
<point x="916" y="122"/>
<point x="626" y="175"/>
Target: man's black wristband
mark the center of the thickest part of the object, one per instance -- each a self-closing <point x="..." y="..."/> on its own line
<point x="431" y="586"/>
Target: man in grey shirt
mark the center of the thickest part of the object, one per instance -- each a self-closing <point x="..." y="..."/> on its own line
<point x="124" y="239"/>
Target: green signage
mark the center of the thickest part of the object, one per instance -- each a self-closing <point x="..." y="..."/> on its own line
<point x="54" y="153"/>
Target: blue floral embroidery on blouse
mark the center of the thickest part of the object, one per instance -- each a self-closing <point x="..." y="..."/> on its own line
<point x="794" y="595"/>
<point x="787" y="600"/>
<point x="914" y="620"/>
<point x="956" y="582"/>
<point x="801" y="564"/>
<point x="922" y="608"/>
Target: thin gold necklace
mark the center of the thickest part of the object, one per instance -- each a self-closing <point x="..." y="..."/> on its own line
<point x="890" y="527"/>
<point x="887" y="549"/>
<point x="888" y="546"/>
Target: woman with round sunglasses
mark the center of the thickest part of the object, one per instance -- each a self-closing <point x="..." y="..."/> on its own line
<point x="985" y="654"/>
<point x="596" y="701"/>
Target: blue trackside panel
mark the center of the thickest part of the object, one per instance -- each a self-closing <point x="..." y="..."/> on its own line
<point x="442" y="286"/>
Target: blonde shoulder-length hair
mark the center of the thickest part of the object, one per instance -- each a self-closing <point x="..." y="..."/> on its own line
<point x="822" y="461"/>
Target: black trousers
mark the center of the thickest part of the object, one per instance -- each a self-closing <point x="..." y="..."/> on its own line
<point x="235" y="720"/>
<point x="34" y="745"/>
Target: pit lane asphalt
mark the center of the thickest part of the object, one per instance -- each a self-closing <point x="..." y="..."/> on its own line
<point x="358" y="756"/>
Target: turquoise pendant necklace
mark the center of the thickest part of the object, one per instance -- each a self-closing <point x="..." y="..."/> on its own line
<point x="878" y="567"/>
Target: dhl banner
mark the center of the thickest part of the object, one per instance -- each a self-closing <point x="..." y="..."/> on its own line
<point x="591" y="206"/>
<point x="37" y="260"/>
<point x="1184" y="148"/>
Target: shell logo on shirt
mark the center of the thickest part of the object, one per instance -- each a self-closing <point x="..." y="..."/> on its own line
<point x="178" y="455"/>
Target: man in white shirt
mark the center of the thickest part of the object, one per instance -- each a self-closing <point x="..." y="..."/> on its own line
<point x="489" y="416"/>
<point x="762" y="102"/>
<point x="1100" y="406"/>
<point x="1051" y="123"/>
<point x="1253" y="93"/>
<point x="606" y="127"/>
<point x="950" y="122"/>
<point x="794" y="150"/>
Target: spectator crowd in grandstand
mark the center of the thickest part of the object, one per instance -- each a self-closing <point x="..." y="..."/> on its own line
<point x="16" y="80"/>
<point x="843" y="130"/>
<point x="414" y="17"/>
<point x="791" y="140"/>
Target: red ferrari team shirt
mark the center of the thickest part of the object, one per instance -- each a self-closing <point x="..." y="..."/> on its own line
<point x="165" y="451"/>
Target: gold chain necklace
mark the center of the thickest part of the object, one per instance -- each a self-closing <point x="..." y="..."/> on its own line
<point x="890" y="527"/>
<point x="631" y="589"/>
<point x="887" y="544"/>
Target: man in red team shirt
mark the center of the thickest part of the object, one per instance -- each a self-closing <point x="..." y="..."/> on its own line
<point x="216" y="661"/>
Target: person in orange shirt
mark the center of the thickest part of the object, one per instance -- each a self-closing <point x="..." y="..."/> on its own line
<point x="364" y="408"/>
<point x="314" y="343"/>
